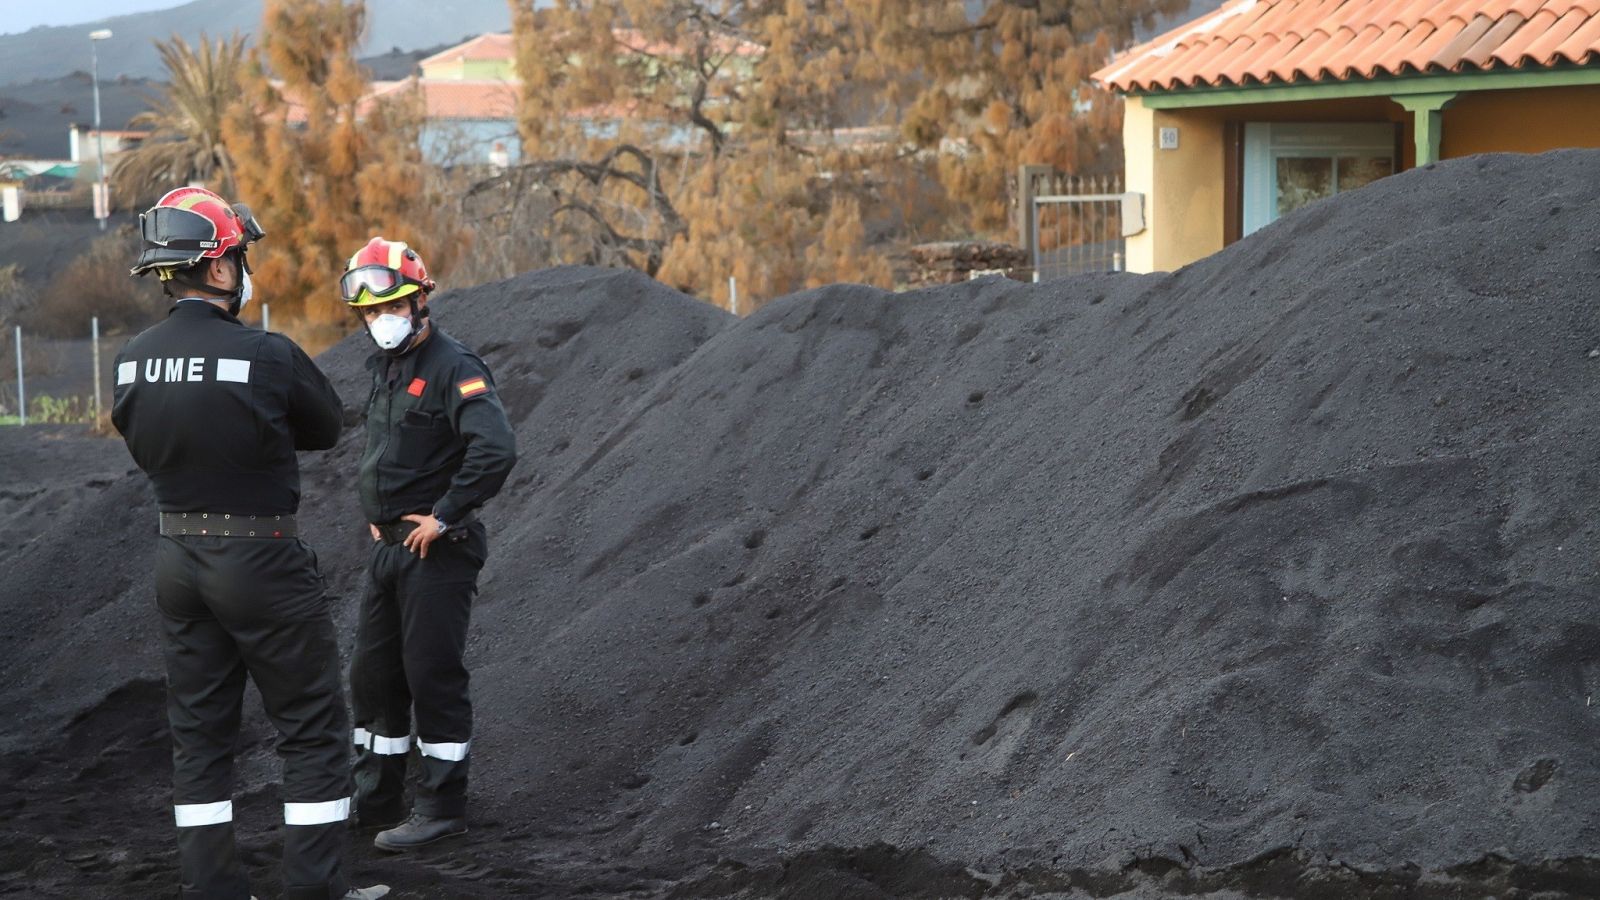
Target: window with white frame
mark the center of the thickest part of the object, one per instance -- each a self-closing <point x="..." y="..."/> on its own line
<point x="1288" y="165"/>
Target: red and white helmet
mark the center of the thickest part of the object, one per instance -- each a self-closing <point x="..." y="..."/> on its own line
<point x="190" y="224"/>
<point x="381" y="271"/>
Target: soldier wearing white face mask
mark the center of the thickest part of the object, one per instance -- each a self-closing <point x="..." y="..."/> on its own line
<point x="438" y="447"/>
<point x="214" y="412"/>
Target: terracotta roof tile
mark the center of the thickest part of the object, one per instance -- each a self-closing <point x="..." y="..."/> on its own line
<point x="1481" y="54"/>
<point x="1523" y="38"/>
<point x="459" y="100"/>
<point x="1382" y="53"/>
<point x="1233" y="70"/>
<point x="1580" y="48"/>
<point x="1464" y="41"/>
<point x="1323" y="59"/>
<point x="1268" y="41"/>
<point x="1545" y="45"/>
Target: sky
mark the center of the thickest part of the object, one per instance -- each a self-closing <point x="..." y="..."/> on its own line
<point x="21" y="15"/>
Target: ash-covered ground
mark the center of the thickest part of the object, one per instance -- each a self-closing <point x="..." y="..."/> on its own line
<point x="1272" y="577"/>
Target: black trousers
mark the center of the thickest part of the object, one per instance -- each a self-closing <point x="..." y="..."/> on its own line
<point x="233" y="607"/>
<point x="409" y="648"/>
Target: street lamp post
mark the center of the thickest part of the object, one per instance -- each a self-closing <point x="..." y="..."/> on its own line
<point x="99" y="137"/>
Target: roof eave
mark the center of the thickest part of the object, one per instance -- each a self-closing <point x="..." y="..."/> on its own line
<point x="1501" y="78"/>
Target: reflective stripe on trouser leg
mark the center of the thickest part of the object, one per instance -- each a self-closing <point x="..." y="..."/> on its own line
<point x="207" y="863"/>
<point x="323" y="813"/>
<point x="316" y="830"/>
<point x="442" y="778"/>
<point x="381" y="745"/>
<point x="445" y="751"/>
<point x="195" y="815"/>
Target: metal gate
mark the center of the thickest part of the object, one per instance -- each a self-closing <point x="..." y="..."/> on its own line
<point x="1076" y="224"/>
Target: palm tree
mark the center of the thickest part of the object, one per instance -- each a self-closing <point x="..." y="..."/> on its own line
<point x="186" y="122"/>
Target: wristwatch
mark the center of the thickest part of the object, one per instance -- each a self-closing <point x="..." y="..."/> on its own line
<point x="443" y="526"/>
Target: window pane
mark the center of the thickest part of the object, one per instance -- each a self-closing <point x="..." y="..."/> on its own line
<point x="1303" y="180"/>
<point x="1360" y="171"/>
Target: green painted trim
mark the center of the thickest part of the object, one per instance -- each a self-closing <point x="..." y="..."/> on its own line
<point x="1190" y="98"/>
<point x="1427" y="111"/>
<point x="1426" y="102"/>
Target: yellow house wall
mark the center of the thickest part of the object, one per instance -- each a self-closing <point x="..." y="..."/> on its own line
<point x="1184" y="188"/>
<point x="1190" y="181"/>
<point x="448" y="70"/>
<point x="1524" y="121"/>
<point x="470" y="70"/>
<point x="1138" y="161"/>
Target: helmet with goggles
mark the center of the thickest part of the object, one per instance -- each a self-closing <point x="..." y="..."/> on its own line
<point x="382" y="271"/>
<point x="188" y="225"/>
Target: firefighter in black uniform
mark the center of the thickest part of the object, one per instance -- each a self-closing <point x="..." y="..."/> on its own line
<point x="438" y="447"/>
<point x="213" y="412"/>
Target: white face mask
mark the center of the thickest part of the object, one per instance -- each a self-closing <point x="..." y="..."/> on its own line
<point x="390" y="330"/>
<point x="246" y="291"/>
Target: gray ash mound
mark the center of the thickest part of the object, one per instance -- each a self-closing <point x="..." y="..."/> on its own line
<point x="1273" y="575"/>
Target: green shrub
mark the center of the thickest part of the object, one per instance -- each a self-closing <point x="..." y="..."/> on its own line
<point x="47" y="410"/>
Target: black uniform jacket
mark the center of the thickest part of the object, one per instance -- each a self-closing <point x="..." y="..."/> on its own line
<point x="214" y="410"/>
<point x="437" y="437"/>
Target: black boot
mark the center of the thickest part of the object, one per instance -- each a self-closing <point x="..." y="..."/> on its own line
<point x="417" y="831"/>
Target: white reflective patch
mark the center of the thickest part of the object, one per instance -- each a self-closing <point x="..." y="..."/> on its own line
<point x="316" y="813"/>
<point x="233" y="370"/>
<point x="383" y="746"/>
<point x="447" y="752"/>
<point x="191" y="815"/>
<point x="127" y="373"/>
<point x="388" y="746"/>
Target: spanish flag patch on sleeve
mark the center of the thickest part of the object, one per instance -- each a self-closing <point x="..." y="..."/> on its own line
<point x="472" y="387"/>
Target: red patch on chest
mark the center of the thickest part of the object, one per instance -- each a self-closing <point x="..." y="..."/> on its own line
<point x="416" y="386"/>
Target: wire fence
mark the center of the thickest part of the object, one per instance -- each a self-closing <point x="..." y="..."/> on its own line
<point x="54" y="380"/>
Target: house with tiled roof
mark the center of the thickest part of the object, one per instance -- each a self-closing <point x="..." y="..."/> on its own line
<point x="468" y="100"/>
<point x="470" y="91"/>
<point x="469" y="95"/>
<point x="1264" y="106"/>
<point x="487" y="57"/>
<point x="464" y="121"/>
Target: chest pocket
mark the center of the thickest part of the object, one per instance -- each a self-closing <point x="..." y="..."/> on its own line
<point x="425" y="438"/>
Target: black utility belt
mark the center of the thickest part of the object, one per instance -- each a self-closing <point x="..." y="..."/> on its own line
<point x="396" y="531"/>
<point x="227" y="525"/>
